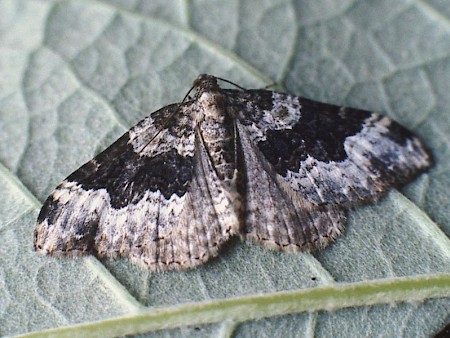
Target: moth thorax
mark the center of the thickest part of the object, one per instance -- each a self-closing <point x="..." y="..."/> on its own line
<point x="212" y="105"/>
<point x="217" y="131"/>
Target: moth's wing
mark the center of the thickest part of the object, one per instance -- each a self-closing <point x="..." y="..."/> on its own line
<point x="329" y="154"/>
<point x="146" y="197"/>
<point x="275" y="215"/>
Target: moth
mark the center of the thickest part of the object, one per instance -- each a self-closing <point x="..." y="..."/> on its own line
<point x="272" y="168"/>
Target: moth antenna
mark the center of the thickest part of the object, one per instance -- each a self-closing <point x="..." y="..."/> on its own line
<point x="230" y="82"/>
<point x="165" y="122"/>
<point x="271" y="85"/>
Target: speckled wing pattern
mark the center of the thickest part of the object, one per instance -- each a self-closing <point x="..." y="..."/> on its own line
<point x="272" y="168"/>
<point x="148" y="197"/>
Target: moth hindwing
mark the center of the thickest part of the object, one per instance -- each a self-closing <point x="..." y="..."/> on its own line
<point x="270" y="167"/>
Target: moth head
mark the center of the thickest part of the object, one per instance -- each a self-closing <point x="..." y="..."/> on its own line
<point x="205" y="82"/>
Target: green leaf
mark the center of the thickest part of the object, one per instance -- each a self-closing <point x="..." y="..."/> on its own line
<point x="74" y="75"/>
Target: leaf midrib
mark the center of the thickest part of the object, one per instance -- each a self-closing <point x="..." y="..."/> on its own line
<point x="241" y="309"/>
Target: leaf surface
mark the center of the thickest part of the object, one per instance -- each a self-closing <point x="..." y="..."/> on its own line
<point x="75" y="75"/>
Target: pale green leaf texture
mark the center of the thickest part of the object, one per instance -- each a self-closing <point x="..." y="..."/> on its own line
<point x="75" y="75"/>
